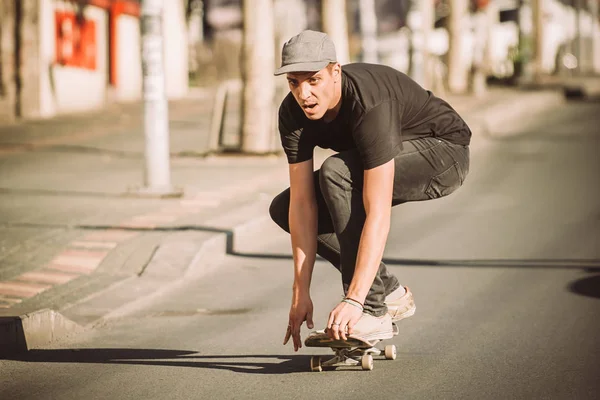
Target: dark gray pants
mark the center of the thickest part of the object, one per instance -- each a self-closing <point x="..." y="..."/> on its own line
<point x="426" y="169"/>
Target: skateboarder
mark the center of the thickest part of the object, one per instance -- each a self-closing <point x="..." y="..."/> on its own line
<point x="395" y="142"/>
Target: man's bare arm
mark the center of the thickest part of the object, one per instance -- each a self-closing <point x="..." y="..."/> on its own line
<point x="377" y="199"/>
<point x="303" y="223"/>
<point x="303" y="231"/>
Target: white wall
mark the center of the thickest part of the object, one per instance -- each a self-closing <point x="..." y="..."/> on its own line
<point x="129" y="59"/>
<point x="66" y="89"/>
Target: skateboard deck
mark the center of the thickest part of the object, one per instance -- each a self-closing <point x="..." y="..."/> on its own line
<point x="348" y="353"/>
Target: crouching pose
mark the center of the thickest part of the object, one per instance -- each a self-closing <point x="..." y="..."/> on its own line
<point x="395" y="142"/>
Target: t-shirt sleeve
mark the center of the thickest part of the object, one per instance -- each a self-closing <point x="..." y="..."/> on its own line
<point x="377" y="134"/>
<point x="296" y="143"/>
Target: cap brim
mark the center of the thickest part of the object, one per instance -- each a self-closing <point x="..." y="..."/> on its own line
<point x="302" y="67"/>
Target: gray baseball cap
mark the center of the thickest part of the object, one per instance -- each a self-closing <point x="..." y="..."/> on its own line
<point x="307" y="52"/>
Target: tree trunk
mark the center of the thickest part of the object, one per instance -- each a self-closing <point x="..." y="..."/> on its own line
<point x="258" y="66"/>
<point x="458" y="70"/>
<point x="336" y="26"/>
<point x="594" y="5"/>
<point x="292" y="18"/>
<point x="427" y="11"/>
<point x="368" y="30"/>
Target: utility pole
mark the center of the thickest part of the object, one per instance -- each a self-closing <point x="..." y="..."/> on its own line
<point x="258" y="60"/>
<point x="368" y="30"/>
<point x="458" y="73"/>
<point x="156" y="116"/>
<point x="336" y="26"/>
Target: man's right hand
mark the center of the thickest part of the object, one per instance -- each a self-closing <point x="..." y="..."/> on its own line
<point x="300" y="311"/>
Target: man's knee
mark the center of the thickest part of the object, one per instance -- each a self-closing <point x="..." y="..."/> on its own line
<point x="279" y="210"/>
<point x="332" y="173"/>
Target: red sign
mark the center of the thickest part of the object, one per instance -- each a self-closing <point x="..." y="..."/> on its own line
<point x="75" y="41"/>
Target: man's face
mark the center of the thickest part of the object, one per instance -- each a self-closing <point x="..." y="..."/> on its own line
<point x="315" y="92"/>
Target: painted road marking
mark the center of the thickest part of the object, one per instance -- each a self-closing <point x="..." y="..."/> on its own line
<point x="11" y="300"/>
<point x="78" y="269"/>
<point x="92" y="254"/>
<point x="110" y="235"/>
<point x="93" y="245"/>
<point x="8" y="302"/>
<point x="47" y="276"/>
<point x="21" y="289"/>
<point x="83" y="261"/>
<point x="88" y="263"/>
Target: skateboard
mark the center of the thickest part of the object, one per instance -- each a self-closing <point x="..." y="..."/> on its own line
<point x="348" y="353"/>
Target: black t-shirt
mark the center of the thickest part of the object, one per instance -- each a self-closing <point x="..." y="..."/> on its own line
<point x="381" y="108"/>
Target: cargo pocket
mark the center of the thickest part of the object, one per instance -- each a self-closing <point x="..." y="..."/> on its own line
<point x="444" y="183"/>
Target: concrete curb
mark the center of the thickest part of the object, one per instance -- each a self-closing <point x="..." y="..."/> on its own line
<point x="209" y="254"/>
<point x="205" y="252"/>
<point x="29" y="331"/>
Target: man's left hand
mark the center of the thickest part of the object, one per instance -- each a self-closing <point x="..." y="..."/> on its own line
<point x="341" y="320"/>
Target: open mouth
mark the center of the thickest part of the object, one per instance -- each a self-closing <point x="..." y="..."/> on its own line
<point x="309" y="107"/>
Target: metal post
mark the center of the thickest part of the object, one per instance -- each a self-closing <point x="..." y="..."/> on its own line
<point x="156" y="119"/>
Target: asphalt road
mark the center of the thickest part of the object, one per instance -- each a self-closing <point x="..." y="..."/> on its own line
<point x="506" y="277"/>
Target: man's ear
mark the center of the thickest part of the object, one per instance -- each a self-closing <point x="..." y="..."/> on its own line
<point x="337" y="71"/>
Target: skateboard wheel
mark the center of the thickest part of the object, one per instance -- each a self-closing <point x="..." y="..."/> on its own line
<point x="367" y="362"/>
<point x="315" y="364"/>
<point x="390" y="352"/>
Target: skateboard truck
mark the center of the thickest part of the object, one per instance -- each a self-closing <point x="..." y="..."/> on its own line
<point x="348" y="357"/>
<point x="348" y="353"/>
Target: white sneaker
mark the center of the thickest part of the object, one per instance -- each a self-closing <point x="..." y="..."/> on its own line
<point x="372" y="328"/>
<point x="401" y="308"/>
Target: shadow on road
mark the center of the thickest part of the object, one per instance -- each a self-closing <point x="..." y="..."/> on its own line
<point x="248" y="364"/>
<point x="590" y="265"/>
<point x="583" y="264"/>
<point x="588" y="286"/>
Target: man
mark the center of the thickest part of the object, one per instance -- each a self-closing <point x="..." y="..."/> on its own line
<point x="396" y="142"/>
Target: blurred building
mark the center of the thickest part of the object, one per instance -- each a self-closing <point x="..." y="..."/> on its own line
<point x="64" y="56"/>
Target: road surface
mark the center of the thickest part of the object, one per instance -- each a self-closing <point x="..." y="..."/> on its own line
<point x="505" y="273"/>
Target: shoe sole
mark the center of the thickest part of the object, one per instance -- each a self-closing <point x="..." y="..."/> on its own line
<point x="408" y="313"/>
<point x="375" y="336"/>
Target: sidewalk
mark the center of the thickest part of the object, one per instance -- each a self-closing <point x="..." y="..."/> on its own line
<point x="77" y="248"/>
